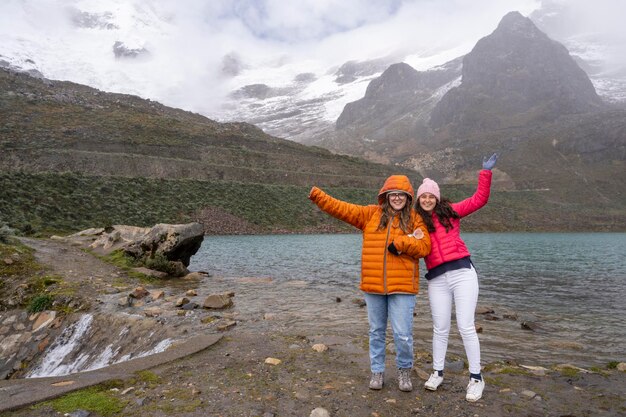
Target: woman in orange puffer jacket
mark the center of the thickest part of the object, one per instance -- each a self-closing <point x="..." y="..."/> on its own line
<point x="394" y="238"/>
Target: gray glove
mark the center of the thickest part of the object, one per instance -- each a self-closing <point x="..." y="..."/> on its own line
<point x="491" y="162"/>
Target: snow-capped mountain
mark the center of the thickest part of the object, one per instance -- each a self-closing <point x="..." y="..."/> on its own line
<point x="148" y="49"/>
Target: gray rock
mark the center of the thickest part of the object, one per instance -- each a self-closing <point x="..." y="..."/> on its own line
<point x="176" y="242"/>
<point x="319" y="412"/>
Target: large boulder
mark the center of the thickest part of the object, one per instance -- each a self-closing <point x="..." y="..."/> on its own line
<point x="174" y="242"/>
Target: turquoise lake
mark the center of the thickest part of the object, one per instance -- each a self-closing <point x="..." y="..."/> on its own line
<point x="572" y="285"/>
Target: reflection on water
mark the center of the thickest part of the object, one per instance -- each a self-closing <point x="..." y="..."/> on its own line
<point x="573" y="285"/>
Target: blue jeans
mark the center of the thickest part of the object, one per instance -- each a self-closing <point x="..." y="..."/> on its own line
<point x="399" y="308"/>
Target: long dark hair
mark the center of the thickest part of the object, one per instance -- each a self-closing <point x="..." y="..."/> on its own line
<point x="444" y="212"/>
<point x="388" y="212"/>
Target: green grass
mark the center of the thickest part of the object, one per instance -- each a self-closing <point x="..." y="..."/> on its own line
<point x="147" y="377"/>
<point x="42" y="204"/>
<point x="95" y="399"/>
<point x="569" y="372"/>
<point x="24" y="266"/>
<point x="40" y="303"/>
<point x="49" y="203"/>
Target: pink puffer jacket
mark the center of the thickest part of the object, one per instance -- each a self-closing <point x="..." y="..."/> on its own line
<point x="448" y="246"/>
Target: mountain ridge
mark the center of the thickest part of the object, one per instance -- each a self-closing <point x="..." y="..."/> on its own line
<point x="520" y="94"/>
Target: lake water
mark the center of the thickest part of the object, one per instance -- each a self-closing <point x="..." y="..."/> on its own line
<point x="572" y="285"/>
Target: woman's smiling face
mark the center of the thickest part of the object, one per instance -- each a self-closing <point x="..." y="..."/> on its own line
<point x="397" y="200"/>
<point x="427" y="202"/>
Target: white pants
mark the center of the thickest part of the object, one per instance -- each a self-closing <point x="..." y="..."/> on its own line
<point x="460" y="285"/>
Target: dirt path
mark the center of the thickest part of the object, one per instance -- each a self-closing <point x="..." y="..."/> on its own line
<point x="232" y="377"/>
<point x="88" y="274"/>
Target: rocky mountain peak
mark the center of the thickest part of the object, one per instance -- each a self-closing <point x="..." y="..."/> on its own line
<point x="397" y="78"/>
<point x="515" y="24"/>
<point x="516" y="70"/>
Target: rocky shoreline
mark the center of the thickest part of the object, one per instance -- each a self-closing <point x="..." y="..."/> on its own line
<point x="266" y="366"/>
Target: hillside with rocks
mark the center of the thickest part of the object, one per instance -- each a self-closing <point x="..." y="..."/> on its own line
<point x="55" y="126"/>
<point x="73" y="157"/>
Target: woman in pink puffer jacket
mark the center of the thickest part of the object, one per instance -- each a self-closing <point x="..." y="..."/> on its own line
<point x="451" y="275"/>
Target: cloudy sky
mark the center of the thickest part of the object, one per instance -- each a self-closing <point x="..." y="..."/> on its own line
<point x="200" y="50"/>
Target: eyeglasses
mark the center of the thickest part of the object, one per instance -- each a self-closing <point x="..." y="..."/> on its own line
<point x="401" y="196"/>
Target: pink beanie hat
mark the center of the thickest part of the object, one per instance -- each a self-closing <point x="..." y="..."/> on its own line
<point x="429" y="186"/>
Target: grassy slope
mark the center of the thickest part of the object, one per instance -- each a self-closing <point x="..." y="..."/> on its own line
<point x="72" y="157"/>
<point x="56" y="203"/>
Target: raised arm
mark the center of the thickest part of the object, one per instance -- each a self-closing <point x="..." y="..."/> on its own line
<point x="353" y="214"/>
<point x="481" y="195"/>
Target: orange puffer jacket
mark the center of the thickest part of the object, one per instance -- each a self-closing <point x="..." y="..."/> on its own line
<point x="381" y="271"/>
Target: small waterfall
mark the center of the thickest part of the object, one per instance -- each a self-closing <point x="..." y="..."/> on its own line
<point x="51" y="365"/>
<point x="86" y="345"/>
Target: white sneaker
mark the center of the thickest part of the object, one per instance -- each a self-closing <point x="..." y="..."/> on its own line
<point x="434" y="381"/>
<point x="475" y="390"/>
<point x="376" y="381"/>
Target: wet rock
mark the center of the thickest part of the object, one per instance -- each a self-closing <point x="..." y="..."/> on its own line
<point x="125" y="301"/>
<point x="44" y="319"/>
<point x="359" y="302"/>
<point x="218" y="301"/>
<point x="157" y="295"/>
<point x="43" y="344"/>
<point x="181" y="302"/>
<point x="530" y="325"/>
<point x="195" y="276"/>
<point x="226" y="325"/>
<point x="139" y="292"/>
<point x="208" y="319"/>
<point x="422" y="374"/>
<point x="320" y="347"/>
<point x="152" y="312"/>
<point x="178" y="269"/>
<point x="484" y="310"/>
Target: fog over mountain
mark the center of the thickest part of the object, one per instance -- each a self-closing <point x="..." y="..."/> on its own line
<point x="288" y="68"/>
